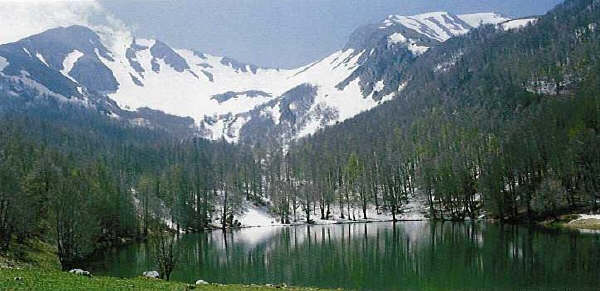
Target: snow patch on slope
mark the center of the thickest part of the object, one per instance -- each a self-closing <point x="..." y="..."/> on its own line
<point x="41" y="58"/>
<point x="439" y="26"/>
<point x="517" y="23"/>
<point x="329" y="72"/>
<point x="69" y="62"/>
<point x="477" y="19"/>
<point x="148" y="43"/>
<point x="411" y="44"/>
<point x="235" y="128"/>
<point x="436" y="25"/>
<point x="243" y="103"/>
<point x="397" y="38"/>
<point x="24" y="78"/>
<point x="3" y="63"/>
<point x="417" y="49"/>
<point x="27" y="52"/>
<point x="379" y="85"/>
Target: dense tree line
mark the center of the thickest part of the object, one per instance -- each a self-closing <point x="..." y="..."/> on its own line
<point x="509" y="129"/>
<point x="84" y="181"/>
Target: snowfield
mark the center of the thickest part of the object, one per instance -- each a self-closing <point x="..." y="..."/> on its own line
<point x="159" y="85"/>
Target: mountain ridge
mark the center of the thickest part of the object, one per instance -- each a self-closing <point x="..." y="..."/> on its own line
<point x="229" y="99"/>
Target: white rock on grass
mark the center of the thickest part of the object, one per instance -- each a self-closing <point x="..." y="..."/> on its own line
<point x="151" y="274"/>
<point x="201" y="282"/>
<point x="80" y="272"/>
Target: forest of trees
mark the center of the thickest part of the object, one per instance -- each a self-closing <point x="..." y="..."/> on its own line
<point x="88" y="186"/>
<point x="510" y="132"/>
<point x="510" y="129"/>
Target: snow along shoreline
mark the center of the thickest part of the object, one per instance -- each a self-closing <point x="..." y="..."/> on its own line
<point x="255" y="216"/>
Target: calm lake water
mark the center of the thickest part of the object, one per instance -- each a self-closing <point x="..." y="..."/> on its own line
<point x="381" y="256"/>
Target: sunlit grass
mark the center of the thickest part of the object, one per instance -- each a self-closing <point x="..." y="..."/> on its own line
<point x="34" y="266"/>
<point x="40" y="279"/>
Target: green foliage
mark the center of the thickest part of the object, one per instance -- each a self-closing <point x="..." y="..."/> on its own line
<point x="550" y="197"/>
<point x="516" y="110"/>
<point x="41" y="279"/>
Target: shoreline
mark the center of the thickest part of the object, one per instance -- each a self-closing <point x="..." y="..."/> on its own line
<point x="38" y="270"/>
<point x="583" y="223"/>
<point x="319" y="224"/>
<point x="31" y="278"/>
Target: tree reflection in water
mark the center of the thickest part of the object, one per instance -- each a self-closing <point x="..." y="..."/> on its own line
<point x="382" y="256"/>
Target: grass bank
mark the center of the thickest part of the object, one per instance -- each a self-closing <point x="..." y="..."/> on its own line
<point x="34" y="266"/>
<point x="41" y="279"/>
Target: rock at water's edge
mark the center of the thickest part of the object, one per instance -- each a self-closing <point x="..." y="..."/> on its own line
<point x="151" y="274"/>
<point x="80" y="272"/>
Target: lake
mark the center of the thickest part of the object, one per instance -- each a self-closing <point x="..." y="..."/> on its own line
<point x="380" y="256"/>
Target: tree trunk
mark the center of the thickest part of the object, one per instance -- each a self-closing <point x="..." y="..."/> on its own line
<point x="364" y="208"/>
<point x="341" y="206"/>
<point x="224" y="214"/>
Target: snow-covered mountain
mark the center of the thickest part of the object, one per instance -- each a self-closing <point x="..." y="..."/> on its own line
<point x="225" y="98"/>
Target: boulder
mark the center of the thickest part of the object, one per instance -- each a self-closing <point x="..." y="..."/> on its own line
<point x="151" y="274"/>
<point x="201" y="282"/>
<point x="80" y="272"/>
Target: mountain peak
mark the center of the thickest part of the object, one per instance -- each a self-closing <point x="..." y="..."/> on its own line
<point x="72" y="37"/>
<point x="426" y="15"/>
<point x="160" y="50"/>
<point x="421" y="31"/>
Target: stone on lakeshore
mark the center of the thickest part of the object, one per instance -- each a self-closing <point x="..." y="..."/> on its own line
<point x="151" y="274"/>
<point x="80" y="272"/>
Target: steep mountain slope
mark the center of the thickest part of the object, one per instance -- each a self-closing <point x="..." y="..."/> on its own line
<point x="490" y="119"/>
<point x="225" y="98"/>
